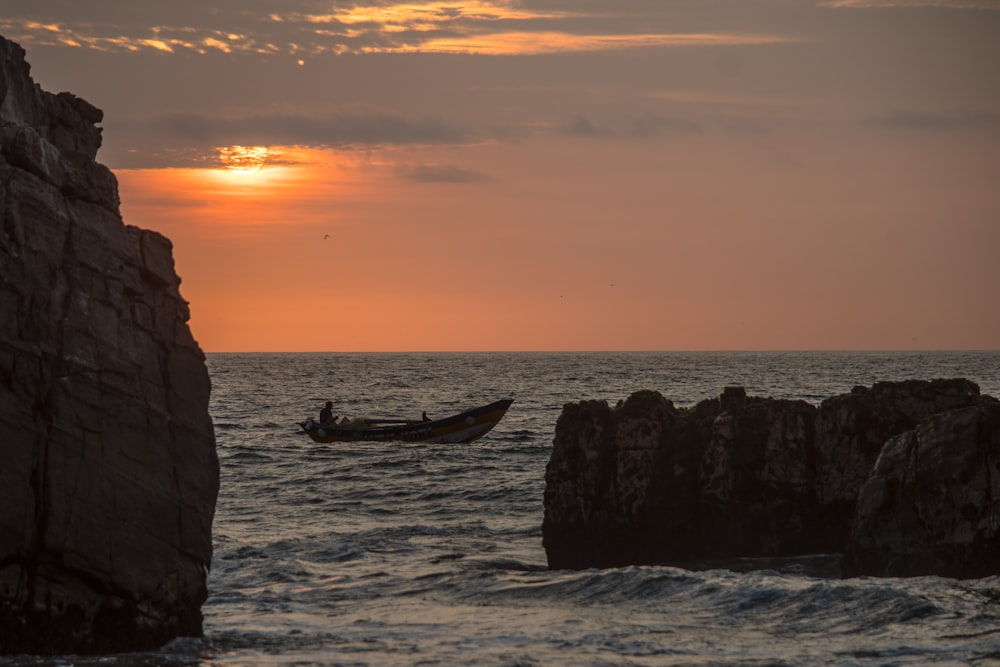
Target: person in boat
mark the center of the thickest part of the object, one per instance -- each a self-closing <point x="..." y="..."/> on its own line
<point x="326" y="417"/>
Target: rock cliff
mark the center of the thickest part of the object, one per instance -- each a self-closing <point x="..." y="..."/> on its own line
<point x="744" y="476"/>
<point x="108" y="468"/>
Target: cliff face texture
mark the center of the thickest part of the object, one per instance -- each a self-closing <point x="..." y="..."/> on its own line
<point x="108" y="469"/>
<point x="902" y="478"/>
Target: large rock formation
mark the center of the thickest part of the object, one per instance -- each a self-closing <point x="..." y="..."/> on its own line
<point x="108" y="469"/>
<point x="731" y="477"/>
<point x="932" y="502"/>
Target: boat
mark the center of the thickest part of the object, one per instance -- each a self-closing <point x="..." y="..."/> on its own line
<point x="461" y="428"/>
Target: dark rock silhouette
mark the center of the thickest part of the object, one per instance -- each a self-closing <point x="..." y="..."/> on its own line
<point x="108" y="468"/>
<point x="932" y="502"/>
<point x="733" y="477"/>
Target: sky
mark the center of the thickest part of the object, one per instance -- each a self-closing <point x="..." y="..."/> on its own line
<point x="552" y="174"/>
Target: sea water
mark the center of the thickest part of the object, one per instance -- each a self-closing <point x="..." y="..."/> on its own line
<point x="418" y="554"/>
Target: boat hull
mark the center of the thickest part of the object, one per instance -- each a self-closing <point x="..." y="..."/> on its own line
<point x="460" y="428"/>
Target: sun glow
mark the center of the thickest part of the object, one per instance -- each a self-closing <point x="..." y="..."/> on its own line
<point x="262" y="172"/>
<point x="249" y="191"/>
<point x="246" y="159"/>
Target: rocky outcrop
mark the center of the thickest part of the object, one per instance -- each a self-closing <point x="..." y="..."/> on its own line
<point x="108" y="469"/>
<point x="932" y="502"/>
<point x="731" y="477"/>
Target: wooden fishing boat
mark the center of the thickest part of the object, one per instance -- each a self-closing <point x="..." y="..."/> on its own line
<point x="463" y="427"/>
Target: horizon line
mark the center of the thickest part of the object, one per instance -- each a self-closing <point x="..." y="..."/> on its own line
<point x="616" y="351"/>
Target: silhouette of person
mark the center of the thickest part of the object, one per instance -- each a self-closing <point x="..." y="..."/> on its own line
<point x="326" y="414"/>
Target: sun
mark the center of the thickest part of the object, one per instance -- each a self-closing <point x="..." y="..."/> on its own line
<point x="246" y="159"/>
<point x="242" y="168"/>
<point x="258" y="171"/>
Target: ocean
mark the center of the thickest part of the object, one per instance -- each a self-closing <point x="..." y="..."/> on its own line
<point x="419" y="554"/>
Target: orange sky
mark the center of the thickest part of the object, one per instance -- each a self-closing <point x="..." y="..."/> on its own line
<point x="530" y="176"/>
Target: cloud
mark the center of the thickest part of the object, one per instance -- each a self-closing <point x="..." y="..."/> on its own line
<point x="429" y="173"/>
<point x="302" y="28"/>
<point x="648" y="125"/>
<point x="919" y="120"/>
<point x="993" y="5"/>
<point x="581" y="126"/>
<point x="643" y="126"/>
<point x="538" y="43"/>
<point x="289" y="129"/>
<point x="191" y="139"/>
